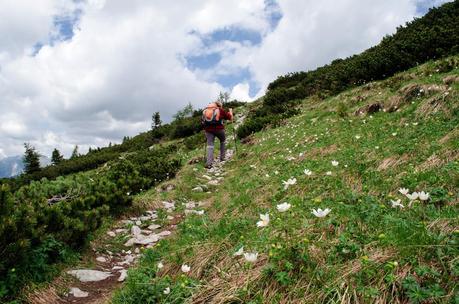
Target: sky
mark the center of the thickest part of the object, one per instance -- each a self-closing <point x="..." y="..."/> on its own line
<point x="89" y="72"/>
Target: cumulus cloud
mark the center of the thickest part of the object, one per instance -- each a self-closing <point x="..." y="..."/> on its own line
<point x="128" y="59"/>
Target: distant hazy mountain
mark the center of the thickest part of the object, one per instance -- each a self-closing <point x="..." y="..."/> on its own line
<point x="12" y="166"/>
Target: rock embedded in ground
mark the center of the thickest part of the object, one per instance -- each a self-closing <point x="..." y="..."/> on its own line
<point x="135" y="231"/>
<point x="198" y="189"/>
<point x="101" y="259"/>
<point x="123" y="275"/>
<point x="111" y="233"/>
<point x="138" y="223"/>
<point x="154" y="226"/>
<point x="78" y="293"/>
<point x="213" y="183"/>
<point x="89" y="275"/>
<point x="164" y="233"/>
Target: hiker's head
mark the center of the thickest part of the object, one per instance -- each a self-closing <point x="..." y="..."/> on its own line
<point x="219" y="104"/>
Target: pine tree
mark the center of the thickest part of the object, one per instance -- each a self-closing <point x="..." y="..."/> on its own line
<point x="56" y="157"/>
<point x="156" y="121"/>
<point x="31" y="159"/>
<point x="75" y="152"/>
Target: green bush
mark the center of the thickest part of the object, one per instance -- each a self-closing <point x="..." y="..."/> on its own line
<point x="35" y="235"/>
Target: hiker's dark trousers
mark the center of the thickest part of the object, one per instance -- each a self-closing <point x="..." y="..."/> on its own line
<point x="210" y="135"/>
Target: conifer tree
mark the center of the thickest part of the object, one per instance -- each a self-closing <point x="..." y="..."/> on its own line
<point x="156" y="121"/>
<point x="31" y="159"/>
<point x="75" y="152"/>
<point x="56" y="157"/>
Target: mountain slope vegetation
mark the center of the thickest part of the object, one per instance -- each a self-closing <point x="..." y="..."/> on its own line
<point x="362" y="154"/>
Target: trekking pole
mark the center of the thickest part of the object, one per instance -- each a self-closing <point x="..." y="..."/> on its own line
<point x="205" y="148"/>
<point x="234" y="135"/>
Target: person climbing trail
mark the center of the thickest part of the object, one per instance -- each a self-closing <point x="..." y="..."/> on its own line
<point x="213" y="117"/>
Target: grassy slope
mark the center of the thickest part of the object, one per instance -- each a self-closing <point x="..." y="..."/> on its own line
<point x="363" y="251"/>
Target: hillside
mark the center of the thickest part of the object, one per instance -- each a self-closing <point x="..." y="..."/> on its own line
<point x="375" y="246"/>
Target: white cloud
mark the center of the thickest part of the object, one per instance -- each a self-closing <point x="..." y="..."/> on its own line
<point x="241" y="92"/>
<point x="127" y="59"/>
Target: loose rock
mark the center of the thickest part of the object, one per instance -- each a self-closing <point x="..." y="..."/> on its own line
<point x="89" y="275"/>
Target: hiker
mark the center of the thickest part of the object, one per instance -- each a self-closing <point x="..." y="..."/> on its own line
<point x="212" y="121"/>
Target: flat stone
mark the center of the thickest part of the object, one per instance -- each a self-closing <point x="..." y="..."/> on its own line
<point x="154" y="226"/>
<point x="89" y="275"/>
<point x="169" y="217"/>
<point x="123" y="275"/>
<point x="101" y="259"/>
<point x="138" y="223"/>
<point x="117" y="268"/>
<point x="121" y="230"/>
<point x="111" y="233"/>
<point x="213" y="182"/>
<point x="164" y="233"/>
<point x="207" y="177"/>
<point x="78" y="293"/>
<point x="135" y="231"/>
<point x="198" y="189"/>
<point x="169" y="205"/>
<point x="145" y="218"/>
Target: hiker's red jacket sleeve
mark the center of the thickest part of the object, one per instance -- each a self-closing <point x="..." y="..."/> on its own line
<point x="227" y="115"/>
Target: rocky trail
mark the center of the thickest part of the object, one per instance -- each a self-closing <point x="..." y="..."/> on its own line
<point x="105" y="268"/>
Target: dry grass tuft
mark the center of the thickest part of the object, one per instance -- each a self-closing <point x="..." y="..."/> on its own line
<point x="453" y="135"/>
<point x="435" y="161"/>
<point x="224" y="289"/>
<point x="392" y="161"/>
<point x="445" y="226"/>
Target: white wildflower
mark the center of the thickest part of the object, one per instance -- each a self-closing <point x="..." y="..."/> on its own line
<point x="289" y="182"/>
<point x="283" y="207"/>
<point x="413" y="196"/>
<point x="404" y="191"/>
<point x="396" y="204"/>
<point x="321" y="213"/>
<point x="186" y="268"/>
<point x="160" y="265"/>
<point x="239" y="252"/>
<point x="264" y="220"/>
<point x="251" y="256"/>
<point x="307" y="172"/>
<point x="328" y="173"/>
<point x="423" y="196"/>
<point x="334" y="163"/>
<point x="167" y="291"/>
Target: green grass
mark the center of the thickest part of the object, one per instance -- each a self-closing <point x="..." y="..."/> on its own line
<point x="364" y="251"/>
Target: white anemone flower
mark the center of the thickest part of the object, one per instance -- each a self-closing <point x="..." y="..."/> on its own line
<point x="321" y="213"/>
<point x="334" y="163"/>
<point x="251" y="256"/>
<point x="264" y="220"/>
<point x="404" y="191"/>
<point x="358" y="137"/>
<point x="167" y="291"/>
<point x="160" y="265"/>
<point x="423" y="196"/>
<point x="186" y="268"/>
<point x="239" y="252"/>
<point x="413" y="196"/>
<point x="328" y="173"/>
<point x="396" y="204"/>
<point x="307" y="172"/>
<point x="289" y="182"/>
<point x="283" y="207"/>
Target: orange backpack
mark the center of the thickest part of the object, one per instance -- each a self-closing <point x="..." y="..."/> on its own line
<point x="211" y="115"/>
